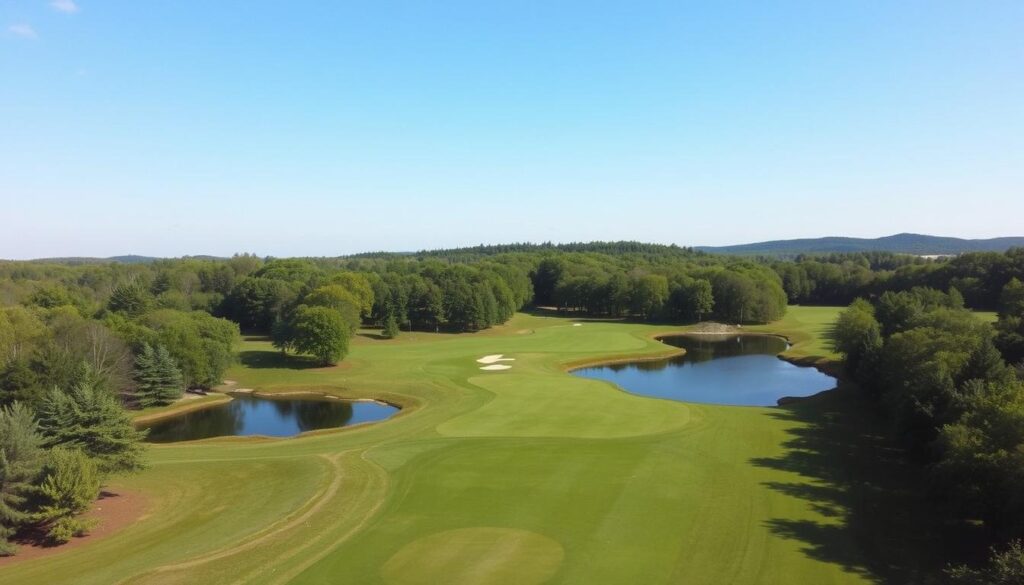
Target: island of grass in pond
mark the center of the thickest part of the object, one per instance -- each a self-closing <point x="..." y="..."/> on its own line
<point x="271" y="417"/>
<point x="741" y="370"/>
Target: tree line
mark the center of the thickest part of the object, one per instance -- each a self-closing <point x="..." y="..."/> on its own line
<point x="838" y="279"/>
<point x="809" y="279"/>
<point x="949" y="384"/>
<point x="79" y="346"/>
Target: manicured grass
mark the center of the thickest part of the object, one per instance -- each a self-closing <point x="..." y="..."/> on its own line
<point x="807" y="329"/>
<point x="523" y="476"/>
<point x="987" y="316"/>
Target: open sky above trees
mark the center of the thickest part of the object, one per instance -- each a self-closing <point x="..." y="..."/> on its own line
<point x="321" y="129"/>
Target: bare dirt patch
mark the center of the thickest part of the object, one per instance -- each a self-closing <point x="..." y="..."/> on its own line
<point x="113" y="511"/>
<point x="713" y="327"/>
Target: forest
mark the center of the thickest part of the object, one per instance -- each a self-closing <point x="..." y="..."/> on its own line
<point x="951" y="387"/>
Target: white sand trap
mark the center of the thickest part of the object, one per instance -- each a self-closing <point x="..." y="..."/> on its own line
<point x="492" y="359"/>
<point x="496" y="367"/>
<point x="243" y="391"/>
<point x="577" y="324"/>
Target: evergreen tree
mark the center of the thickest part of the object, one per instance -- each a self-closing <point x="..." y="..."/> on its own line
<point x="390" y="327"/>
<point x="147" y="377"/>
<point x="171" y="385"/>
<point x="18" y="383"/>
<point x="158" y="378"/>
<point x="161" y="284"/>
<point x="71" y="482"/>
<point x="21" y="457"/>
<point x="130" y="299"/>
<point x="93" y="421"/>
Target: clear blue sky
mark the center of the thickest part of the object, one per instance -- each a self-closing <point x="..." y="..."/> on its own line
<point x="322" y="128"/>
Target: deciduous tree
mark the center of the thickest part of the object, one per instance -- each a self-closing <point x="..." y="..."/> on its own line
<point x="322" y="333"/>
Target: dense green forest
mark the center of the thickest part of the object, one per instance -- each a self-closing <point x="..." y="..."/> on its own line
<point x="80" y="343"/>
<point x="956" y="401"/>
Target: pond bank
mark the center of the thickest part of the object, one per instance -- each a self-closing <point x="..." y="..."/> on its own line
<point x="734" y="368"/>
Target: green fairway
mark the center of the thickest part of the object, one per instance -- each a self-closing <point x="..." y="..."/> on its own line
<point x="523" y="476"/>
<point x="806" y="328"/>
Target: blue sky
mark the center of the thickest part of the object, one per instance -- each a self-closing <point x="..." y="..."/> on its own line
<point x="322" y="128"/>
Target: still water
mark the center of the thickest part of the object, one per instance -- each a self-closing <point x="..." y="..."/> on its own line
<point x="728" y="369"/>
<point x="250" y="415"/>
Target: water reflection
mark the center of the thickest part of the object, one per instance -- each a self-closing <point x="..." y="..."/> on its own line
<point x="250" y="415"/>
<point x="719" y="369"/>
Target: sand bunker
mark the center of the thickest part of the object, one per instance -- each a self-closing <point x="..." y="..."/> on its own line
<point x="496" y="367"/>
<point x="491" y="359"/>
<point x="577" y="324"/>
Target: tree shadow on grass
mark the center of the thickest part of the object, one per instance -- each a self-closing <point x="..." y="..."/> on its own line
<point x="876" y="520"/>
<point x="258" y="359"/>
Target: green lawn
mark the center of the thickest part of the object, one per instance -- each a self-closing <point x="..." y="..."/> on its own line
<point x="806" y="328"/>
<point x="987" y="316"/>
<point x="524" y="476"/>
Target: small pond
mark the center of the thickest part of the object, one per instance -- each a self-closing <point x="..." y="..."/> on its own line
<point x="271" y="417"/>
<point x="738" y="370"/>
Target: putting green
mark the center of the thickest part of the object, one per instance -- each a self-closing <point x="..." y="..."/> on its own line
<point x="527" y="475"/>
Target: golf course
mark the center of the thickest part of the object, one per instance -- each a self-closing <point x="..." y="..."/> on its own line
<point x="527" y="475"/>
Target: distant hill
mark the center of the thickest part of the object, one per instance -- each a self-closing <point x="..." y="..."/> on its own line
<point x="900" y="243"/>
<point x="918" y="244"/>
<point x="483" y="250"/>
<point x="127" y="259"/>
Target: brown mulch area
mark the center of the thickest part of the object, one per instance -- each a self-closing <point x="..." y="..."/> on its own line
<point x="112" y="512"/>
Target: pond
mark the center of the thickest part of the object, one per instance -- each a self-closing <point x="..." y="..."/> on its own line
<point x="741" y="370"/>
<point x="271" y="417"/>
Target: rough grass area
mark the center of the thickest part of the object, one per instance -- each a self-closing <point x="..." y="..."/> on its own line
<point x="527" y="475"/>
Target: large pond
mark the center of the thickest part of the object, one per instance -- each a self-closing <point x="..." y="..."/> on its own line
<point x="719" y="369"/>
<point x="271" y="417"/>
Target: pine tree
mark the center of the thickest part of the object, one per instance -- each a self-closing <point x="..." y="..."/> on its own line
<point x="70" y="484"/>
<point x="158" y="378"/>
<point x="93" y="421"/>
<point x="147" y="377"/>
<point x="171" y="385"/>
<point x="390" y="327"/>
<point x="130" y="299"/>
<point x="21" y="458"/>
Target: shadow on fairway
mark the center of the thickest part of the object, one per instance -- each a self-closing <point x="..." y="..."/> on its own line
<point x="276" y="359"/>
<point x="878" y="523"/>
